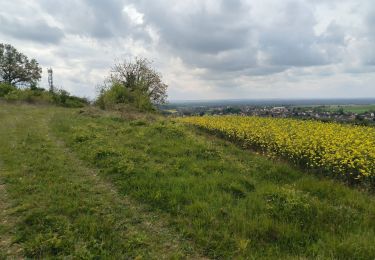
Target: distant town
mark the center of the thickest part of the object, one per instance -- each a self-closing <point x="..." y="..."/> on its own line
<point x="363" y="114"/>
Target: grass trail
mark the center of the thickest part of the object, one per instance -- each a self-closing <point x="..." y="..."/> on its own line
<point x="7" y="223"/>
<point x="60" y="207"/>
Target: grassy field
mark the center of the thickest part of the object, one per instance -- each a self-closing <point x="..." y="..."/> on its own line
<point x="84" y="184"/>
<point x="358" y="109"/>
<point x="55" y="205"/>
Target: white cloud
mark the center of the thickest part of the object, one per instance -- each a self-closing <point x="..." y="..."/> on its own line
<point x="135" y="16"/>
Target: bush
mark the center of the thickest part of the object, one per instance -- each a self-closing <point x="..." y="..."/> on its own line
<point x="63" y="98"/>
<point x="37" y="95"/>
<point x="29" y="96"/>
<point x="5" y="89"/>
<point x="133" y="83"/>
<point x="117" y="94"/>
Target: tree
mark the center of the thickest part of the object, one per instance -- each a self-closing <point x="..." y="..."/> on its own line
<point x="139" y="78"/>
<point x="16" y="68"/>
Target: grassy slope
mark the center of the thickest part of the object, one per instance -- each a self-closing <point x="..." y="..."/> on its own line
<point x="56" y="206"/>
<point x="229" y="202"/>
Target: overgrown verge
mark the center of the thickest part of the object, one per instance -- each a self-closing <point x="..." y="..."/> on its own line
<point x="34" y="95"/>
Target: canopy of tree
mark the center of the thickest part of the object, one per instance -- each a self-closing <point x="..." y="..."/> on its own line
<point x="16" y="68"/>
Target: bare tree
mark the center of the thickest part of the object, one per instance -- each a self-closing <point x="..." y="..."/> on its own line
<point x="16" y="68"/>
<point x="138" y="75"/>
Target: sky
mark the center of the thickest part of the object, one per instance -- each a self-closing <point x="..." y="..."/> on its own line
<point x="204" y="49"/>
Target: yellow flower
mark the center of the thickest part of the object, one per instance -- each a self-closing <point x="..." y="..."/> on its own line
<point x="340" y="149"/>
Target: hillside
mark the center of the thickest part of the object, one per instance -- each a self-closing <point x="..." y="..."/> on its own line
<point x="85" y="183"/>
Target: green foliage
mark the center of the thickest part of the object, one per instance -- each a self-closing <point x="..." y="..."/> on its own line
<point x="5" y="89"/>
<point x="35" y="95"/>
<point x="133" y="83"/>
<point x="16" y="68"/>
<point x="29" y="96"/>
<point x="63" y="98"/>
<point x="116" y="95"/>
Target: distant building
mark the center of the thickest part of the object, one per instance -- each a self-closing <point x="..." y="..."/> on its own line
<point x="279" y="109"/>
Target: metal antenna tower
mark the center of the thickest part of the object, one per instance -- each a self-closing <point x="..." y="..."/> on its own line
<point x="50" y="80"/>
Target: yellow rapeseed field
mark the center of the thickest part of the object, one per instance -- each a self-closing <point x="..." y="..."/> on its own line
<point x="344" y="150"/>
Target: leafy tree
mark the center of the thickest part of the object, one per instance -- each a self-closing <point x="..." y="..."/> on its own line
<point x="16" y="68"/>
<point x="140" y="81"/>
<point x="340" y="111"/>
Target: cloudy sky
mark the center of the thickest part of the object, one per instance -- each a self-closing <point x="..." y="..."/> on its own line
<point x="205" y="49"/>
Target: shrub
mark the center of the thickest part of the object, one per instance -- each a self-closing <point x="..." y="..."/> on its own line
<point x="37" y="95"/>
<point x="133" y="83"/>
<point x="5" y="89"/>
<point x="117" y="94"/>
<point x="63" y="98"/>
<point x="29" y="96"/>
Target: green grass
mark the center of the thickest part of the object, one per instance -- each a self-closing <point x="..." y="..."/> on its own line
<point x="219" y="201"/>
<point x="358" y="109"/>
<point x="58" y="207"/>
